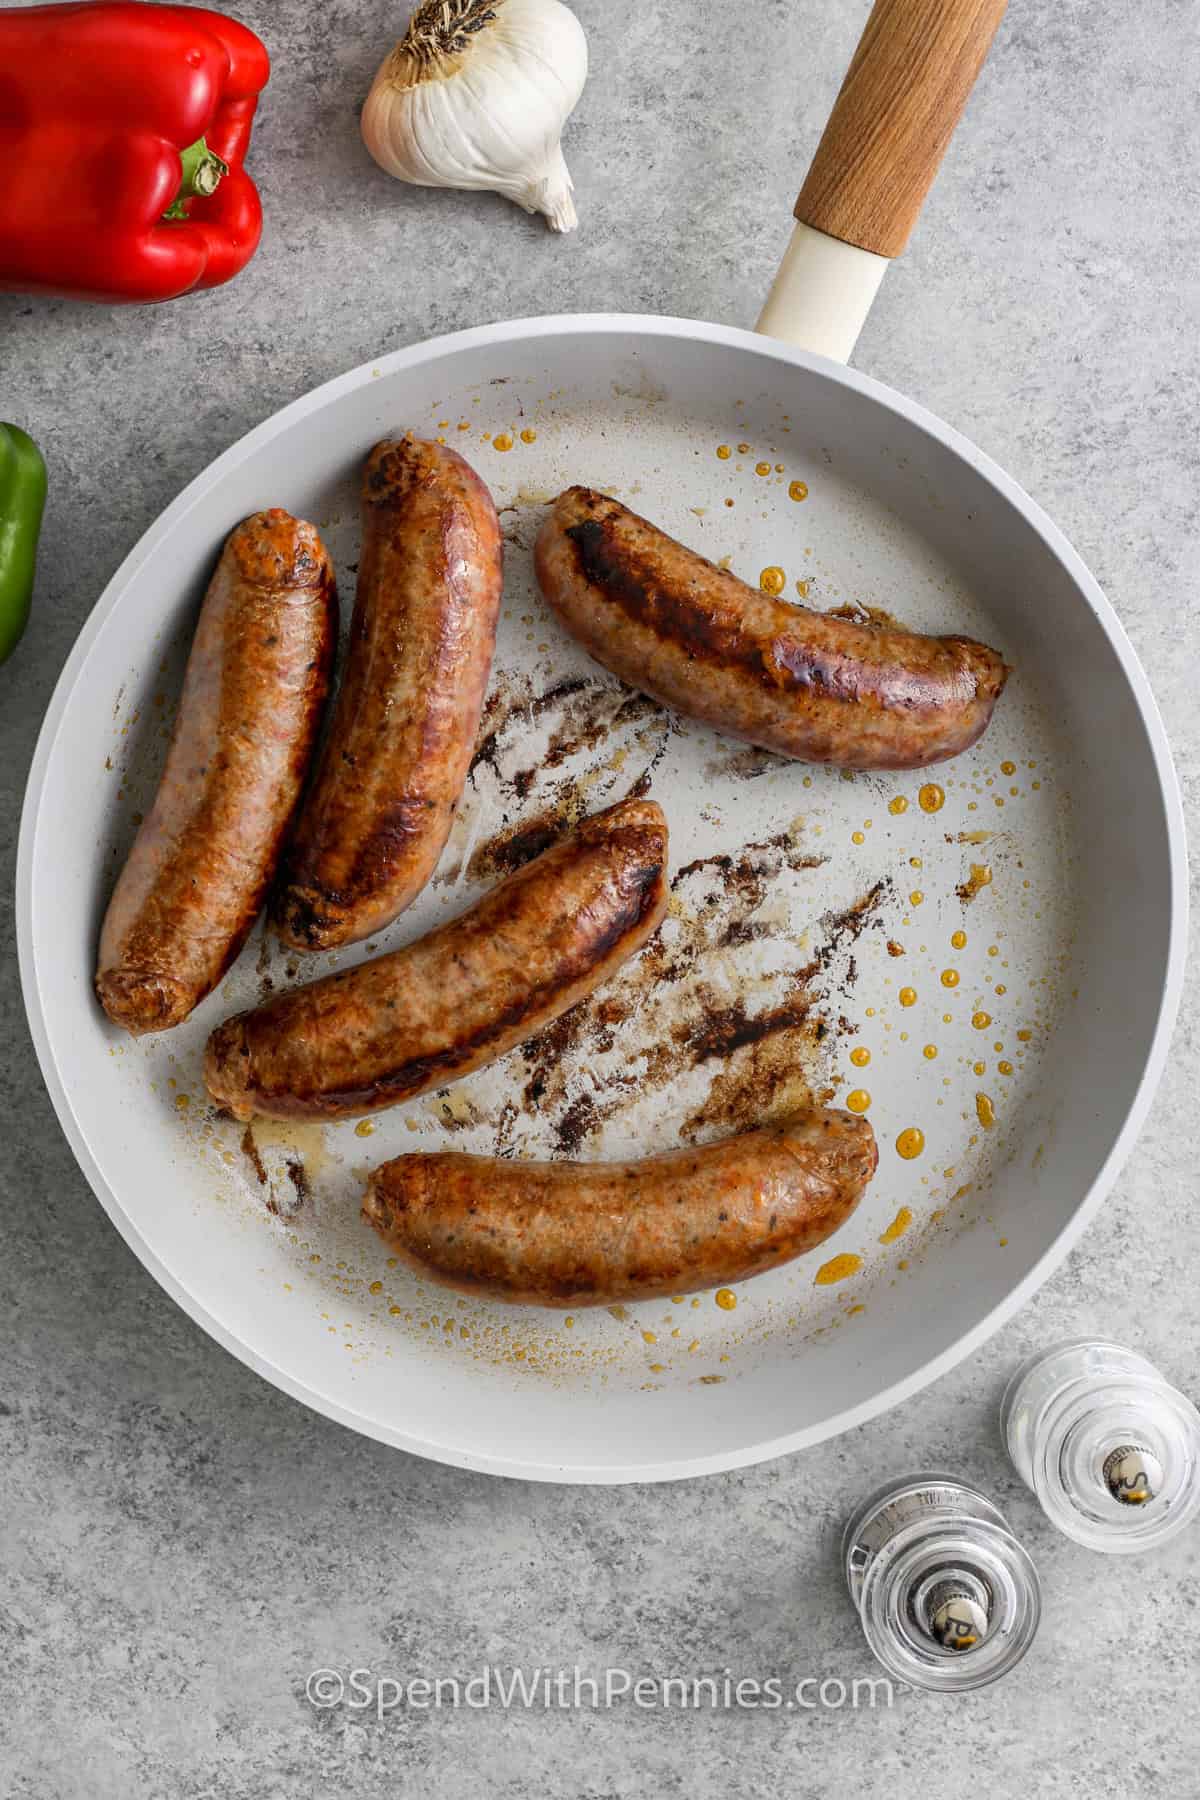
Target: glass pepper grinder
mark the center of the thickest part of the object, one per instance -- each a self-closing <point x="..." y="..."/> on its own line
<point x="947" y="1596"/>
<point x="1109" y="1447"/>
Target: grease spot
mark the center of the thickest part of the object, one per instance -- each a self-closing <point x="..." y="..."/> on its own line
<point x="898" y="1226"/>
<point x="838" y="1268"/>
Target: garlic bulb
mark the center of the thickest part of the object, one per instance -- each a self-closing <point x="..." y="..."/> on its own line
<point x="476" y="96"/>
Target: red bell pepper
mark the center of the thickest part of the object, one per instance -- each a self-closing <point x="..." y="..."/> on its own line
<point x="113" y="115"/>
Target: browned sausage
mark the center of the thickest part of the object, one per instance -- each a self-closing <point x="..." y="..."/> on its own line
<point x="589" y="1234"/>
<point x="393" y="768"/>
<point x="395" y="1027"/>
<point x="801" y="683"/>
<point x="256" y="683"/>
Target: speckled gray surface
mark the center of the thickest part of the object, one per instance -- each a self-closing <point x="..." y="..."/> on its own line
<point x="182" y="1544"/>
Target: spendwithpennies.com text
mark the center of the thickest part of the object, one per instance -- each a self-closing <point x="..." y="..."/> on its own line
<point x="369" y="1691"/>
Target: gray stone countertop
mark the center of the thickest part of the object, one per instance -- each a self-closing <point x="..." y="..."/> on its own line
<point x="182" y="1543"/>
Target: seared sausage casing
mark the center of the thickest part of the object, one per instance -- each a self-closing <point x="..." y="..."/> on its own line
<point x="393" y="767"/>
<point x="256" y="683"/>
<point x="576" y="1234"/>
<point x="803" y="684"/>
<point x="397" y="1026"/>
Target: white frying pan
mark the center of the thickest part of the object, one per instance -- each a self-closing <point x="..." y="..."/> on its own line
<point x="1009" y="962"/>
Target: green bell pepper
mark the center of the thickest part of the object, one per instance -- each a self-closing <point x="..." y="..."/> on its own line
<point x="22" y="497"/>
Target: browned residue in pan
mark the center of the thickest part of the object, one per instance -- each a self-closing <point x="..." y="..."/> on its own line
<point x="589" y="710"/>
<point x="683" y="1008"/>
<point x="766" y="1063"/>
<point x="580" y="714"/>
<point x="847" y="927"/>
<point x="505" y="701"/>
<point x="979" y="878"/>
<point x="289" y="1206"/>
<point x="518" y="844"/>
<point x="692" y="1025"/>
<point x="286" y="1206"/>
<point x="250" y="1151"/>
<point x="298" y="1176"/>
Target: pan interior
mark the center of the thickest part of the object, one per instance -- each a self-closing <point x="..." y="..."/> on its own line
<point x="953" y="949"/>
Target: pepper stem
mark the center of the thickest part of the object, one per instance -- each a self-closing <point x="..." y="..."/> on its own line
<point x="201" y="171"/>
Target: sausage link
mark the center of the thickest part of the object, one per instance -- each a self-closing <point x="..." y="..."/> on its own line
<point x="803" y="684"/>
<point x="392" y="770"/>
<point x="450" y="1003"/>
<point x="256" y="684"/>
<point x="577" y="1234"/>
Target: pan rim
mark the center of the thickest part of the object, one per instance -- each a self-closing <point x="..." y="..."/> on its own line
<point x="525" y="331"/>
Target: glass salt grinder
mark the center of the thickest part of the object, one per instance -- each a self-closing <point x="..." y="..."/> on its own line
<point x="947" y="1596"/>
<point x="1109" y="1447"/>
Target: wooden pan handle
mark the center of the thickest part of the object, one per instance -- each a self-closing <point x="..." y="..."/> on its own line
<point x="914" y="68"/>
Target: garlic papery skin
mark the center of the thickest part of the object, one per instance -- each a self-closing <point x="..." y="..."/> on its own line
<point x="476" y="96"/>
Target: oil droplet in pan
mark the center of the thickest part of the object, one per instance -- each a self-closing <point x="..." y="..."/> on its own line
<point x="502" y="442"/>
<point x="959" y="940"/>
<point x="724" y="452"/>
<point x="931" y="798"/>
<point x="529" y="436"/>
<point x="910" y="1143"/>
<point x="898" y="805"/>
<point x="950" y="978"/>
<point x="364" y="1128"/>
<point x="898" y="1226"/>
<point x="980" y="877"/>
<point x="772" y="580"/>
<point x="860" y="1057"/>
<point x="908" y="996"/>
<point x="726" y="1299"/>
<point x="838" y="1268"/>
<point x="985" y="1112"/>
<point x="798" y="491"/>
<point x="858" y="1101"/>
